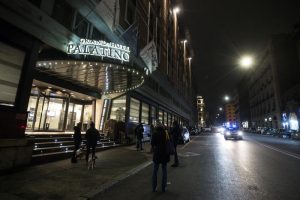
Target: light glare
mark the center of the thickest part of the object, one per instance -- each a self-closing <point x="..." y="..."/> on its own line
<point x="246" y="61"/>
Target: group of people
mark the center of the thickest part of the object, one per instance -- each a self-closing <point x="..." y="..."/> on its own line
<point x="92" y="136"/>
<point x="160" y="139"/>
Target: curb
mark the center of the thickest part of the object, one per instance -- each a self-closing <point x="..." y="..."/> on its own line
<point x="115" y="181"/>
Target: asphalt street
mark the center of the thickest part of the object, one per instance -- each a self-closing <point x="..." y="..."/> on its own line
<point x="257" y="167"/>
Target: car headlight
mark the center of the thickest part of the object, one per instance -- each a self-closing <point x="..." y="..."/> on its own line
<point x="240" y="133"/>
<point x="227" y="133"/>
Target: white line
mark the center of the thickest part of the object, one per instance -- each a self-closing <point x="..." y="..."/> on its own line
<point x="186" y="144"/>
<point x="281" y="151"/>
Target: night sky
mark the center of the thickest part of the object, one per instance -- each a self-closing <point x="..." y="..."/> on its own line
<point x="223" y="30"/>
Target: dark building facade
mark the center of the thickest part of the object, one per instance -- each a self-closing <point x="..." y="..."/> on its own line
<point x="276" y="73"/>
<point x="65" y="62"/>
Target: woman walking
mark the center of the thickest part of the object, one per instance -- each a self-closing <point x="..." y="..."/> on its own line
<point x="160" y="155"/>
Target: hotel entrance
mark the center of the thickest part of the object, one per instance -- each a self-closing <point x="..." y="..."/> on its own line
<point x="55" y="109"/>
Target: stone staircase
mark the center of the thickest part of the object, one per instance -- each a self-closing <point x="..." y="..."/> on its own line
<point x="52" y="147"/>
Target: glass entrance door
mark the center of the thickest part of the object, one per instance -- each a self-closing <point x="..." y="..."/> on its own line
<point x="74" y="115"/>
<point x="50" y="114"/>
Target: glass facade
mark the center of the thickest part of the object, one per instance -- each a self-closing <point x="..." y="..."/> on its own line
<point x="134" y="110"/>
<point x="165" y="119"/>
<point x="145" y="113"/>
<point x="160" y="116"/>
<point x="118" y="109"/>
<point x="53" y="110"/>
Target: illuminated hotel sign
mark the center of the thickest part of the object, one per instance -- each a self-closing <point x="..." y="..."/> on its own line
<point x="100" y="48"/>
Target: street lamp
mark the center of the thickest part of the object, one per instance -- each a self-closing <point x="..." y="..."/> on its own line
<point x="226" y="98"/>
<point x="176" y="10"/>
<point x="246" y="61"/>
<point x="220" y="109"/>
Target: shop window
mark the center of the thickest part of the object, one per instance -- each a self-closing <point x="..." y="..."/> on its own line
<point x="153" y="114"/>
<point x="160" y="116"/>
<point x="87" y="116"/>
<point x="134" y="110"/>
<point x="145" y="113"/>
<point x="11" y="63"/>
<point x="165" y="119"/>
<point x="118" y="109"/>
<point x="60" y="8"/>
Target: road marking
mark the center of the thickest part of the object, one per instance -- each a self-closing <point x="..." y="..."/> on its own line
<point x="281" y="151"/>
<point x="188" y="154"/>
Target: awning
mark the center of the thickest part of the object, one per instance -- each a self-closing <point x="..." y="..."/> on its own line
<point x="105" y="77"/>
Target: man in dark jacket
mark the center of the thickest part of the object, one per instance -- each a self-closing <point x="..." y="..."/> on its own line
<point x="160" y="155"/>
<point x="77" y="141"/>
<point x="175" y="132"/>
<point x="92" y="136"/>
<point x="139" y="132"/>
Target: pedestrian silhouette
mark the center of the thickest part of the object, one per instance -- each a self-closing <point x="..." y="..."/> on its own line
<point x="77" y="141"/>
<point x="175" y="133"/>
<point x="92" y="136"/>
<point x="160" y="155"/>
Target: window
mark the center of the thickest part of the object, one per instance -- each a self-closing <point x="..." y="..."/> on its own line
<point x="153" y="114"/>
<point x="130" y="11"/>
<point x="97" y="35"/>
<point x="11" y="63"/>
<point x="134" y="110"/>
<point x="60" y="9"/>
<point x="118" y="109"/>
<point x="160" y="116"/>
<point x="166" y="119"/>
<point x="145" y="113"/>
<point x="81" y="26"/>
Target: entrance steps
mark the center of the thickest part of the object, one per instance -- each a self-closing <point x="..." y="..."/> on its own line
<point x="49" y="147"/>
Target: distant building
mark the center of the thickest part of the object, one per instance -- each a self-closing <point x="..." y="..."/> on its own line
<point x="274" y="84"/>
<point x="230" y="113"/>
<point x="201" y="111"/>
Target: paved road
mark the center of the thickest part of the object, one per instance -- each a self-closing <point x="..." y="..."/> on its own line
<point x="211" y="168"/>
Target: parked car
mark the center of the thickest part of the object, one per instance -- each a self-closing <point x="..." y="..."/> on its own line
<point x="233" y="133"/>
<point x="283" y="133"/>
<point x="269" y="131"/>
<point x="184" y="136"/>
<point x="193" y="130"/>
<point x="295" y="135"/>
<point x="207" y="129"/>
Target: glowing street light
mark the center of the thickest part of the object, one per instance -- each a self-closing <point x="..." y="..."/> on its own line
<point x="176" y="10"/>
<point x="220" y="109"/>
<point x="226" y="98"/>
<point x="246" y="61"/>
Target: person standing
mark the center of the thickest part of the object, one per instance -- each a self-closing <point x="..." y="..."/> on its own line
<point x="92" y="136"/>
<point x="160" y="155"/>
<point x="139" y="132"/>
<point x="175" y="133"/>
<point x="77" y="141"/>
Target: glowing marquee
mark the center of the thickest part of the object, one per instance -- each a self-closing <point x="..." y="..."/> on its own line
<point x="100" y="48"/>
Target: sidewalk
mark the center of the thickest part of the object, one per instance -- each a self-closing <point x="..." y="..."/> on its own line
<point x="64" y="180"/>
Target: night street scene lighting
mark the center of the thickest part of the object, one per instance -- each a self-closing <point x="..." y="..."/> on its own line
<point x="170" y="99"/>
